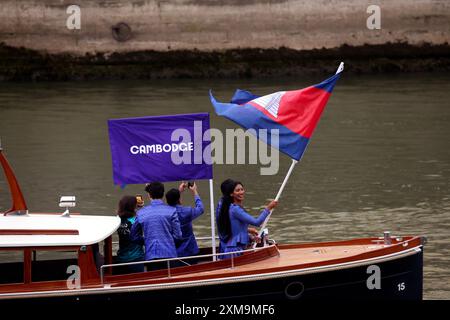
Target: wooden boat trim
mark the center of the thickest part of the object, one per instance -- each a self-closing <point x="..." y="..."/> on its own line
<point x="42" y="248"/>
<point x="230" y="278"/>
<point x="249" y="258"/>
<point x="259" y="254"/>
<point x="19" y="205"/>
<point x="47" y="232"/>
<point x="375" y="254"/>
<point x="271" y="275"/>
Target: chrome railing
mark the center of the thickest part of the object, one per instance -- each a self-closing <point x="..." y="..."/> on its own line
<point x="205" y="238"/>
<point x="168" y="260"/>
<point x="197" y="238"/>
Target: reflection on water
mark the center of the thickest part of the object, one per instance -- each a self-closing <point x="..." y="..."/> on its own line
<point x="379" y="159"/>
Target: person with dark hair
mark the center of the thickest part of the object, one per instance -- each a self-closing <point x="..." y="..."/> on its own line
<point x="129" y="251"/>
<point x="155" y="190"/>
<point x="159" y="225"/>
<point x="234" y="220"/>
<point x="224" y="188"/>
<point x="187" y="245"/>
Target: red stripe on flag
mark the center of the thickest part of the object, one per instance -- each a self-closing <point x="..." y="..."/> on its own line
<point x="299" y="110"/>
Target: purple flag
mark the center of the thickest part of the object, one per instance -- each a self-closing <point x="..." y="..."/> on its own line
<point x="162" y="148"/>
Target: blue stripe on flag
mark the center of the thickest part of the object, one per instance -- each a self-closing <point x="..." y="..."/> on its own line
<point x="328" y="84"/>
<point x="249" y="117"/>
<point x="242" y="96"/>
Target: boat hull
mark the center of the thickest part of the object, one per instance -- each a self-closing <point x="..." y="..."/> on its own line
<point x="400" y="278"/>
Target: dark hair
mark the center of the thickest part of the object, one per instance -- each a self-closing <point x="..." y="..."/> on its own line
<point x="224" y="185"/>
<point x="155" y="189"/>
<point x="173" y="197"/>
<point x="127" y="207"/>
<point x="224" y="223"/>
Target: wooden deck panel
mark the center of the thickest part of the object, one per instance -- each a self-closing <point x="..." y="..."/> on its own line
<point x="293" y="257"/>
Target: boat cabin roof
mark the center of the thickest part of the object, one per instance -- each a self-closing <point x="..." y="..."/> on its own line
<point x="36" y="230"/>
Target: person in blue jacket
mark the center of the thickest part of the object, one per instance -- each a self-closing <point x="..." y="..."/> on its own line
<point x="224" y="187"/>
<point x="234" y="220"/>
<point x="187" y="244"/>
<point x="129" y="251"/>
<point x="159" y="226"/>
<point x="253" y="232"/>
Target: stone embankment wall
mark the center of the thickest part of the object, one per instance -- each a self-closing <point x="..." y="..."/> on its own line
<point x="142" y="39"/>
<point x="207" y="25"/>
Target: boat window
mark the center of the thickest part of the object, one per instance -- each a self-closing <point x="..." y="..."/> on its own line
<point x="11" y="266"/>
<point x="52" y="264"/>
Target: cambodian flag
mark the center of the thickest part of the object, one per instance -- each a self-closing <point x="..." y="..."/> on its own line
<point x="294" y="113"/>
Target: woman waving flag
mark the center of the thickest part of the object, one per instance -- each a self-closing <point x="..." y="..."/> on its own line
<point x="291" y="115"/>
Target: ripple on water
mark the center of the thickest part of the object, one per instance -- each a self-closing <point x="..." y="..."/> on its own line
<point x="432" y="176"/>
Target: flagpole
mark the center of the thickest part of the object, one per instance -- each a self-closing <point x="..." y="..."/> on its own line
<point x="294" y="162"/>
<point x="291" y="168"/>
<point x="340" y="68"/>
<point x="213" y="219"/>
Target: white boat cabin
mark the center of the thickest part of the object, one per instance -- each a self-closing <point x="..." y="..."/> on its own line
<point x="41" y="247"/>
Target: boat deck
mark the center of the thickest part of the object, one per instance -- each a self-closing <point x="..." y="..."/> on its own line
<point x="274" y="261"/>
<point x="295" y="257"/>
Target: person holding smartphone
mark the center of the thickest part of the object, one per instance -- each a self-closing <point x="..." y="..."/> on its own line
<point x="187" y="244"/>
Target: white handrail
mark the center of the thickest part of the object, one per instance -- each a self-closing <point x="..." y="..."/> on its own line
<point x="196" y="238"/>
<point x="180" y="259"/>
<point x="205" y="238"/>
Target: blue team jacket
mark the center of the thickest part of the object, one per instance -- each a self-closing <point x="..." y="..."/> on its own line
<point x="159" y="225"/>
<point x="187" y="245"/>
<point x="240" y="220"/>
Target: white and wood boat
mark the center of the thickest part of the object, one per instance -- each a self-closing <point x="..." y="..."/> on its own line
<point x="368" y="268"/>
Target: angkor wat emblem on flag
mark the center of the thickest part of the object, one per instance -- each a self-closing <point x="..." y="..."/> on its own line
<point x="271" y="102"/>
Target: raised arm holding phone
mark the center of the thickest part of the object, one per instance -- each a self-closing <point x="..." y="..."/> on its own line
<point x="187" y="245"/>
